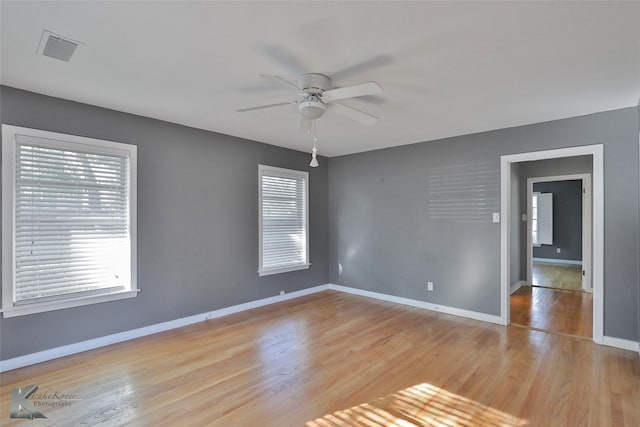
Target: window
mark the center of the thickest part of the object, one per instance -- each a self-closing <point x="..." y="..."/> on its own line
<point x="283" y="220"/>
<point x="542" y="219"/>
<point x="69" y="221"/>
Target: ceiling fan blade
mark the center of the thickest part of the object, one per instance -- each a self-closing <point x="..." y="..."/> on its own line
<point x="284" y="58"/>
<point x="305" y="124"/>
<point x="363" y="66"/>
<point x="242" y="110"/>
<point x="281" y="81"/>
<point x="369" y="88"/>
<point x="353" y="114"/>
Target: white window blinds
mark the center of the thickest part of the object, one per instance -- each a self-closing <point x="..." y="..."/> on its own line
<point x="283" y="220"/>
<point x="71" y="221"/>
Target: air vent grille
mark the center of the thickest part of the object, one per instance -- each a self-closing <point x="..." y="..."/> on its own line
<point x="57" y="47"/>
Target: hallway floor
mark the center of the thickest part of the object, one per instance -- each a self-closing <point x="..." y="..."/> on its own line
<point x="556" y="310"/>
<point x="561" y="276"/>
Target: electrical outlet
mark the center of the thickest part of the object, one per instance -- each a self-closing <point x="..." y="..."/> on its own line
<point x="281" y="292"/>
<point x="429" y="286"/>
<point x="524" y="217"/>
<point x="558" y="250"/>
<point x="339" y="270"/>
<point x="496" y="217"/>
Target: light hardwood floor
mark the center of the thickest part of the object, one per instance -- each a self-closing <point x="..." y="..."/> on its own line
<point x="569" y="312"/>
<point x="561" y="276"/>
<point x="333" y="359"/>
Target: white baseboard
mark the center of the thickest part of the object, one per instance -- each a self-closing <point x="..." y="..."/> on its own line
<point x="621" y="343"/>
<point x="557" y="261"/>
<point x="54" y="353"/>
<point x="517" y="286"/>
<point x="66" y="350"/>
<point x="420" y="304"/>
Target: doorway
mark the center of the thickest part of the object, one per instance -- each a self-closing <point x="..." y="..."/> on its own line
<point x="557" y="293"/>
<point x="594" y="265"/>
<point x="559" y="232"/>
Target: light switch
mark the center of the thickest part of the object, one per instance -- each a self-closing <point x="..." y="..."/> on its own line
<point x="496" y="217"/>
<point x="524" y="217"/>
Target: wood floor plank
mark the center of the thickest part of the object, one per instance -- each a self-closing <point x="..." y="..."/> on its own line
<point x="333" y="359"/>
<point x="557" y="310"/>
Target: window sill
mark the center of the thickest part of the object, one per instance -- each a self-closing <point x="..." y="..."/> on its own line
<point x="22" y="310"/>
<point x="269" y="271"/>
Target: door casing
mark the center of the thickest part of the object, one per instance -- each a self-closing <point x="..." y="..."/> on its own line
<point x="597" y="216"/>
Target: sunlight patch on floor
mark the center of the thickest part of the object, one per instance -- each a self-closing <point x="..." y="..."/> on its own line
<point x="420" y="405"/>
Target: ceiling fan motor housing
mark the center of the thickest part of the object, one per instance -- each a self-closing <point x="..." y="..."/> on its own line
<point x="313" y="83"/>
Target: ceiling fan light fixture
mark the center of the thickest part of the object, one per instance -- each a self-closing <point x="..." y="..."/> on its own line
<point x="312" y="107"/>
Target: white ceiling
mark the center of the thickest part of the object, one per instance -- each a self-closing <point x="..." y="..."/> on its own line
<point x="447" y="68"/>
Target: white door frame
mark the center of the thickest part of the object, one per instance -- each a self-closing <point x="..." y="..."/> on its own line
<point x="586" y="223"/>
<point x="596" y="151"/>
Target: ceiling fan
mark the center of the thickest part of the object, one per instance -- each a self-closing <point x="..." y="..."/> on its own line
<point x="318" y="96"/>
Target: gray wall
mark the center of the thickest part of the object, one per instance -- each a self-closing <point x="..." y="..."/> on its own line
<point x="567" y="220"/>
<point x="405" y="215"/>
<point x="543" y="168"/>
<point x="197" y="222"/>
<point x="396" y="218"/>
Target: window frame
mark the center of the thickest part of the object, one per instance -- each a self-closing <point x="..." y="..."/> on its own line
<point x="286" y="173"/>
<point x="69" y="142"/>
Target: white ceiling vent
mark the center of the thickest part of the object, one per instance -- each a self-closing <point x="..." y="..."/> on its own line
<point x="56" y="46"/>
